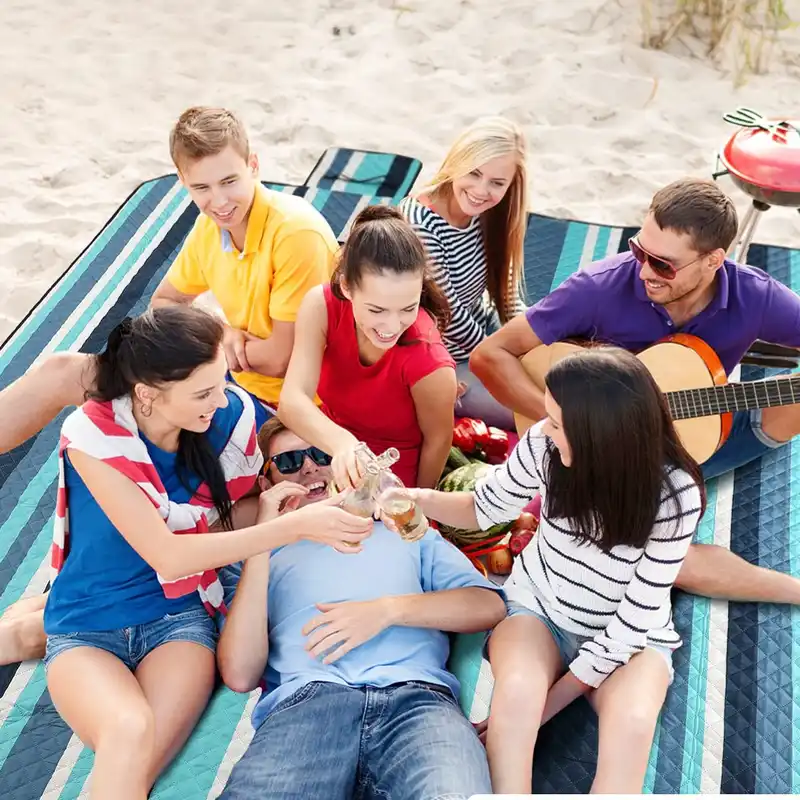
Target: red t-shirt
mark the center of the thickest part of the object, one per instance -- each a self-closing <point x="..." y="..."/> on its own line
<point x="374" y="401"/>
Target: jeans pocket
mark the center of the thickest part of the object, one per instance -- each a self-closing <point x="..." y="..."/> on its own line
<point x="303" y="694"/>
<point x="439" y="691"/>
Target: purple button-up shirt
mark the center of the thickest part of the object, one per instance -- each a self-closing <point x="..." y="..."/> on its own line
<point x="607" y="302"/>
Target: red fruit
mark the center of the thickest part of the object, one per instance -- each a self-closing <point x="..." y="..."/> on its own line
<point x="520" y="538"/>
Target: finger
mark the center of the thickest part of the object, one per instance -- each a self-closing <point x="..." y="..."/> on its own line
<point x="241" y="353"/>
<point x="480" y="727"/>
<point x="347" y="549"/>
<point x="340" y="651"/>
<point x="482" y="737"/>
<point x="314" y="623"/>
<point x="322" y="641"/>
<point x="230" y="357"/>
<point x="328" y="606"/>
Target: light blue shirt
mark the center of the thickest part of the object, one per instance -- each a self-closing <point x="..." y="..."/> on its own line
<point x="307" y="573"/>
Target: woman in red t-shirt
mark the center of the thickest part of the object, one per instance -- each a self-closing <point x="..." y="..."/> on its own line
<point x="369" y="345"/>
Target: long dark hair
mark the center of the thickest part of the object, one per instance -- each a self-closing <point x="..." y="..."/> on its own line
<point x="623" y="445"/>
<point x="162" y="346"/>
<point x="382" y="240"/>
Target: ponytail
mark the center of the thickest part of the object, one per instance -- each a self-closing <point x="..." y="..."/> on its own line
<point x="381" y="240"/>
<point x="162" y="346"/>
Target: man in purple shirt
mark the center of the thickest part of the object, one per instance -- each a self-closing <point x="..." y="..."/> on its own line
<point x="675" y="279"/>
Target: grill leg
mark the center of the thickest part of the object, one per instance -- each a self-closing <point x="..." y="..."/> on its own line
<point x="747" y="228"/>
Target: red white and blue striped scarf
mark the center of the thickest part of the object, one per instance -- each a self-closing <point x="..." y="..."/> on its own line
<point x="108" y="431"/>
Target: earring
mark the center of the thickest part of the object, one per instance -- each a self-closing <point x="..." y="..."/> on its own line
<point x="147" y="410"/>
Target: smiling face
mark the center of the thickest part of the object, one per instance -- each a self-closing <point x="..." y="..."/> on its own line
<point x="222" y="186"/>
<point x="485" y="186"/>
<point x="311" y="475"/>
<point x="188" y="404"/>
<point x="554" y="428"/>
<point x="695" y="270"/>
<point x="385" y="305"/>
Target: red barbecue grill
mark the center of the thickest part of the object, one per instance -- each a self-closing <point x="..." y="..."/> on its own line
<point x="763" y="160"/>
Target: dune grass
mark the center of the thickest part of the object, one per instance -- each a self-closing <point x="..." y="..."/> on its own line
<point x="740" y="35"/>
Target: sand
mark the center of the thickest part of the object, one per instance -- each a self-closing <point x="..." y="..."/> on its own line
<point x="90" y="90"/>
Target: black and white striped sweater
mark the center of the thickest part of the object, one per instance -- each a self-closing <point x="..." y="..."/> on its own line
<point x="458" y="261"/>
<point x="620" y="601"/>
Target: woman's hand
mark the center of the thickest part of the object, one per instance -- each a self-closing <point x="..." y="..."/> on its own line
<point x="279" y="499"/>
<point x="326" y="523"/>
<point x="345" y="465"/>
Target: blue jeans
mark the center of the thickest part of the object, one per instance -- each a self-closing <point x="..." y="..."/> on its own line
<point x="746" y="443"/>
<point x="570" y="643"/>
<point x="132" y="645"/>
<point x="408" y="741"/>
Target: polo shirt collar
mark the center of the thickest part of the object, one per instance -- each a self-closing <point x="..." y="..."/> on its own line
<point x="255" y="226"/>
<point x="721" y="295"/>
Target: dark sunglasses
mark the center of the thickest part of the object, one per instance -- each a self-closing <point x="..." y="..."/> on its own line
<point x="291" y="461"/>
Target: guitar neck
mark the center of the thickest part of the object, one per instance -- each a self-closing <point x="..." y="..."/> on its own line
<point x="689" y="403"/>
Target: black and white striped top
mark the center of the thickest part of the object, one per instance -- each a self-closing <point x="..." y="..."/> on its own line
<point x="458" y="261"/>
<point x="620" y="601"/>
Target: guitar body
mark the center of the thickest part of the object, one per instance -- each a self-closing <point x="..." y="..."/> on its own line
<point x="677" y="362"/>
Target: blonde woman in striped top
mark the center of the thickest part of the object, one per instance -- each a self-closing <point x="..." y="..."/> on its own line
<point x="589" y="608"/>
<point x="472" y="219"/>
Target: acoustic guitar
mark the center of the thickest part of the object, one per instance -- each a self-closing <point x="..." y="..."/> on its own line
<point x="689" y="372"/>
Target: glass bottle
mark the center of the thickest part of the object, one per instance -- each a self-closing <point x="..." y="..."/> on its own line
<point x="394" y="499"/>
<point x="361" y="500"/>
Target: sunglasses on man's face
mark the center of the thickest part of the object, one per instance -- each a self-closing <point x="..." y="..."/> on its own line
<point x="663" y="268"/>
<point x="291" y="461"/>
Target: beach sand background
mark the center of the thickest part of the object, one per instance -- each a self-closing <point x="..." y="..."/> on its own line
<point x="90" y="90"/>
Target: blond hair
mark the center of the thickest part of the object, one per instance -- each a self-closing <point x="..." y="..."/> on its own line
<point x="202" y="131"/>
<point x="504" y="225"/>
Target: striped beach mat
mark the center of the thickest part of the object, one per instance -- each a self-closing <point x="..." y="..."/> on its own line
<point x="731" y="723"/>
<point x="731" y="719"/>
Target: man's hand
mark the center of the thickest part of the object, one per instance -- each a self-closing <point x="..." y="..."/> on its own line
<point x="347" y="625"/>
<point x="279" y="499"/>
<point x="233" y="342"/>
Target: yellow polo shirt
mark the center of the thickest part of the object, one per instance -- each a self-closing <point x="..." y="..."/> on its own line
<point x="289" y="248"/>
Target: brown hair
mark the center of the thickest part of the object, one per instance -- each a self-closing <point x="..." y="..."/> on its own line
<point x="700" y="208"/>
<point x="271" y="428"/>
<point x="202" y="131"/>
<point x="381" y="239"/>
<point x="623" y="444"/>
<point x="162" y="346"/>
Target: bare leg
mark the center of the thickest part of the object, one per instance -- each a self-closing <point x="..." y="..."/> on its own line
<point x="713" y="571"/>
<point x="101" y="701"/>
<point x="628" y="704"/>
<point x="525" y="663"/>
<point x="22" y="637"/>
<point x="177" y="679"/>
<point x="38" y="396"/>
<point x="781" y="423"/>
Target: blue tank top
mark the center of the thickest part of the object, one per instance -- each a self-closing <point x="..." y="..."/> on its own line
<point x="105" y="584"/>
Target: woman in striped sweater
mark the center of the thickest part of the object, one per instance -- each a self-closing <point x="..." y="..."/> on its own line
<point x="588" y="599"/>
<point x="472" y="219"/>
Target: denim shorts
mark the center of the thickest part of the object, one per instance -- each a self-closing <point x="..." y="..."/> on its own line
<point x="132" y="645"/>
<point x="570" y="643"/>
<point x="746" y="442"/>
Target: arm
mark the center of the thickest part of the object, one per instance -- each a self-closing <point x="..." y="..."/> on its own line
<point x="499" y="496"/>
<point x="167" y="295"/>
<point x="173" y="557"/>
<point x="184" y="280"/>
<point x="496" y="362"/>
<point x="648" y="594"/>
<point x="468" y="610"/>
<point x="244" y="643"/>
<point x="434" y="399"/>
<point x="271" y="356"/>
<point x="297" y="408"/>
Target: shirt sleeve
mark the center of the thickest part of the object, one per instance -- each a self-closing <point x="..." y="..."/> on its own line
<point x="646" y="605"/>
<point x="502" y="493"/>
<point x="464" y="329"/>
<point x="781" y="321"/>
<point x="444" y="566"/>
<point x="186" y="273"/>
<point x="567" y="312"/>
<point x="429" y="357"/>
<point x="301" y="260"/>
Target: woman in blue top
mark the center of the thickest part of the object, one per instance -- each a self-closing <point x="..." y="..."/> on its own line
<point x="129" y="669"/>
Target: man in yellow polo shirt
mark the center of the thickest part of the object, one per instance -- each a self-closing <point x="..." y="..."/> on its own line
<point x="258" y="251"/>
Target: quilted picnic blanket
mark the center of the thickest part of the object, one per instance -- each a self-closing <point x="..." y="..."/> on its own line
<point x="731" y="720"/>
